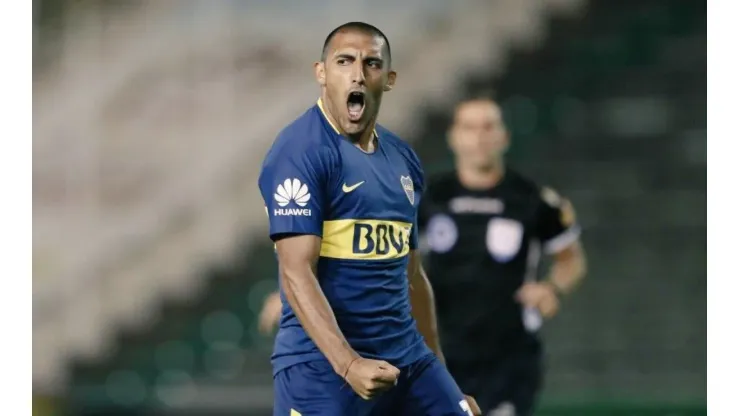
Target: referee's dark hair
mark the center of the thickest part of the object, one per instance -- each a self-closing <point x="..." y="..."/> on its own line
<point x="360" y="27"/>
<point x="480" y="95"/>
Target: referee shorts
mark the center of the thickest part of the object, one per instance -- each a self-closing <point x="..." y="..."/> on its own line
<point x="506" y="386"/>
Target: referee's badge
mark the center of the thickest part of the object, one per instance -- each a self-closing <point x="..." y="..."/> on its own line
<point x="408" y="187"/>
<point x="504" y="238"/>
<point x="441" y="233"/>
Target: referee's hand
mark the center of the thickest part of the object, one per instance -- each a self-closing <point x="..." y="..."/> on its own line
<point x="473" y="406"/>
<point x="541" y="296"/>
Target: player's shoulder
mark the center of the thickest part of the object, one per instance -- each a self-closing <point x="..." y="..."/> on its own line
<point x="403" y="147"/>
<point x="305" y="131"/>
<point x="392" y="139"/>
<point x="305" y="136"/>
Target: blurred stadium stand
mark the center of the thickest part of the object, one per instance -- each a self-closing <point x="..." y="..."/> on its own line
<point x="151" y="118"/>
<point x="611" y="110"/>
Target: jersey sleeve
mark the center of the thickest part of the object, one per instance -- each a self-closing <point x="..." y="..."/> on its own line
<point x="418" y="178"/>
<point x="422" y="220"/>
<point x="414" y="237"/>
<point x="293" y="185"/>
<point x="425" y="210"/>
<point x="557" y="227"/>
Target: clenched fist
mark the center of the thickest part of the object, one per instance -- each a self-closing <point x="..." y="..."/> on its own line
<point x="368" y="378"/>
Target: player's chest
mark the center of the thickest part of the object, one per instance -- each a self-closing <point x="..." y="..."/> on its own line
<point x="375" y="186"/>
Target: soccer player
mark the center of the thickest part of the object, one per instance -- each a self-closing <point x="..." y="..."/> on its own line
<point x="358" y="331"/>
<point x="486" y="226"/>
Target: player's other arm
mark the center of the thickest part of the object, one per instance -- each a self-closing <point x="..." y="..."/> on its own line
<point x="422" y="303"/>
<point x="270" y="313"/>
<point x="420" y="290"/>
<point x="298" y="255"/>
<point x="424" y="312"/>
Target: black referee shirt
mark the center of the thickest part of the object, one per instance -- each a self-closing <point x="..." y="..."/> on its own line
<point x="482" y="245"/>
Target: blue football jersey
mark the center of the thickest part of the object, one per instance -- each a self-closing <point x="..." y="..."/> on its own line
<point x="364" y="207"/>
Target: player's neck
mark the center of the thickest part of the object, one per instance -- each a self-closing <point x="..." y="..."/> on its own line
<point x="476" y="178"/>
<point x="364" y="140"/>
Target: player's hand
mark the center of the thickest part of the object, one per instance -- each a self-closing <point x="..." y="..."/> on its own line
<point x="473" y="405"/>
<point x="541" y="296"/>
<point x="368" y="378"/>
<point x="270" y="314"/>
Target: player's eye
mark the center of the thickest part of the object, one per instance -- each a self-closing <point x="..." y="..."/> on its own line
<point x="375" y="64"/>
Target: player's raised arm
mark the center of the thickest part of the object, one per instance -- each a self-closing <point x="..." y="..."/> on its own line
<point x="293" y="183"/>
<point x="298" y="255"/>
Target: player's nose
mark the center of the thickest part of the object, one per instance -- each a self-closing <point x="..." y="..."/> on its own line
<point x="358" y="74"/>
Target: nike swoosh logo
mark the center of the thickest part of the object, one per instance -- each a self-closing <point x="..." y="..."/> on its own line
<point x="348" y="189"/>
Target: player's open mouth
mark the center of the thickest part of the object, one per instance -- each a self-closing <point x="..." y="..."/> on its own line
<point x="356" y="105"/>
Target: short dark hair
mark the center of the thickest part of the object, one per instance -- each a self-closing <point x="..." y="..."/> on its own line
<point x="358" y="26"/>
<point x="479" y="95"/>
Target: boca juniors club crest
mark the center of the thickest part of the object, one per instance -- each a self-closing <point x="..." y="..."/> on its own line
<point x="408" y="187"/>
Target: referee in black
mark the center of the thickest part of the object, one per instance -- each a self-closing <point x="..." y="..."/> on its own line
<point x="487" y="227"/>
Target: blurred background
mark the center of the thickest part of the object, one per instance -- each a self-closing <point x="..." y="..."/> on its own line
<point x="151" y="256"/>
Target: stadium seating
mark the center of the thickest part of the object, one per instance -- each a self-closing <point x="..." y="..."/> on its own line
<point x="148" y="131"/>
<point x="609" y="108"/>
<point x="612" y="112"/>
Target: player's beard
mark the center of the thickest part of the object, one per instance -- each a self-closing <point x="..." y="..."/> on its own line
<point x="356" y="128"/>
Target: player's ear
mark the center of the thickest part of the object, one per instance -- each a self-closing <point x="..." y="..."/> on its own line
<point x="391" y="81"/>
<point x="320" y="73"/>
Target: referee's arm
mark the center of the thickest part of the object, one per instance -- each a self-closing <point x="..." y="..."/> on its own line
<point x="562" y="242"/>
<point x="560" y="234"/>
<point x="568" y="268"/>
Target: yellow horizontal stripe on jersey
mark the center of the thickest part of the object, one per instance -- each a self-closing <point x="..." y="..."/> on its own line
<point x="356" y="239"/>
